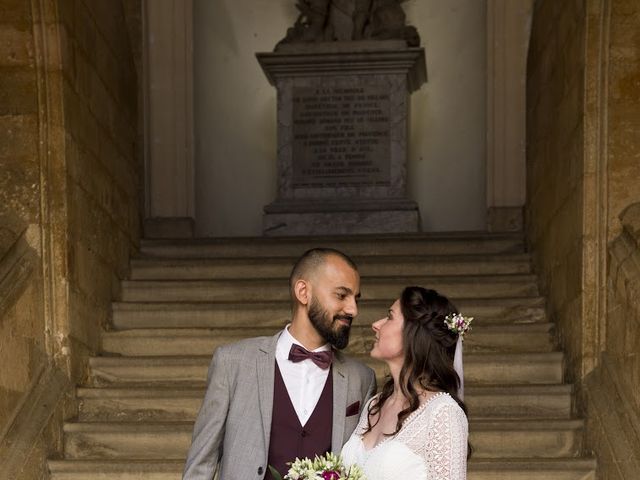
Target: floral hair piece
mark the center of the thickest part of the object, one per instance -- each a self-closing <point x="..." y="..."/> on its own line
<point x="458" y="324"/>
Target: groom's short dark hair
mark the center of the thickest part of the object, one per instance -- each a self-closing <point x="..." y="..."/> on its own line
<point x="311" y="260"/>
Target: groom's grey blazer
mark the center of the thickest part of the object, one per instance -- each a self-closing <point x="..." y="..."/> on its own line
<point x="233" y="427"/>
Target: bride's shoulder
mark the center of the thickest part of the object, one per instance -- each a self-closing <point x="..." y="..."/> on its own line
<point x="440" y="403"/>
<point x="446" y="409"/>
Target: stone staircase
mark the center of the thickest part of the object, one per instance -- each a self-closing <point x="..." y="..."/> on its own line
<point x="184" y="298"/>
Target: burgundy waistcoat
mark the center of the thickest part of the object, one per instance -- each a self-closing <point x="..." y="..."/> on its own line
<point x="288" y="438"/>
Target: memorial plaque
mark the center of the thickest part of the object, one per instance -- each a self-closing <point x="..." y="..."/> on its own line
<point x="341" y="136"/>
<point x="343" y="111"/>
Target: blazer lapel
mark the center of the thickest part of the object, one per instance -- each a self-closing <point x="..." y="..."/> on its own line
<point x="265" y="368"/>
<point x="340" y="383"/>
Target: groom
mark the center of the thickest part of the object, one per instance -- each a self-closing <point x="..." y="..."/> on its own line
<point x="272" y="399"/>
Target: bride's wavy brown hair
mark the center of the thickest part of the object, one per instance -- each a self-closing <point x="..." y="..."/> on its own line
<point x="429" y="348"/>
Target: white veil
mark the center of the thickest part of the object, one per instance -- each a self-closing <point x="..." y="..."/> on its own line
<point x="457" y="366"/>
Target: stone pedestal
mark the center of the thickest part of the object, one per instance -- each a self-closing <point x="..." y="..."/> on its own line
<point x="343" y="110"/>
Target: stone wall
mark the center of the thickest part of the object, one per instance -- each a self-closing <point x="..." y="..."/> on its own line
<point x="623" y="110"/>
<point x="100" y="88"/>
<point x="69" y="205"/>
<point x="583" y="164"/>
<point x="613" y="388"/>
<point x="23" y="343"/>
<point x="555" y="156"/>
<point x="18" y="200"/>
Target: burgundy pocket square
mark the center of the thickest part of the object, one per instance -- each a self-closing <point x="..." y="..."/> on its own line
<point x="353" y="409"/>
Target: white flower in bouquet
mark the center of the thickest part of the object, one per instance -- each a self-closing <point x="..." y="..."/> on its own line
<point x="326" y="467"/>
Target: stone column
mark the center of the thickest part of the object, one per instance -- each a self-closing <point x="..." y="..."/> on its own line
<point x="508" y="31"/>
<point x="169" y="171"/>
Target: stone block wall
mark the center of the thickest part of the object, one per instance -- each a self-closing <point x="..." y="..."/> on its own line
<point x="100" y="95"/>
<point x="70" y="182"/>
<point x="555" y="156"/>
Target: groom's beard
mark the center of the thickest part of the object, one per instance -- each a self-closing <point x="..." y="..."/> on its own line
<point x="329" y="328"/>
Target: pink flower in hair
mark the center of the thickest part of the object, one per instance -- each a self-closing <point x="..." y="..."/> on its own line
<point x="458" y="324"/>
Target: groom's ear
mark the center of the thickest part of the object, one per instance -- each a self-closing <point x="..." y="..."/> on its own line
<point x="301" y="291"/>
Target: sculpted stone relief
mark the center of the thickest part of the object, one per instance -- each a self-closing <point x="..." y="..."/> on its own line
<point x="347" y="20"/>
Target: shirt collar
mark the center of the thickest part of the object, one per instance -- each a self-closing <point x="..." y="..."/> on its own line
<point x="286" y="340"/>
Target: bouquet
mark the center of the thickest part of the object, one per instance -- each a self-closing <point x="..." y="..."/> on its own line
<point x="326" y="467"/>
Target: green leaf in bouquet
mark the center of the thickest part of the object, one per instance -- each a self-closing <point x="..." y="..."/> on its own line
<point x="275" y="473"/>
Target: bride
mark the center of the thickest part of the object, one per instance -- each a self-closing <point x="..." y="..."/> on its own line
<point x="417" y="426"/>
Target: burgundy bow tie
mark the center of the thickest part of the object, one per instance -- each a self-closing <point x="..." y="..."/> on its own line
<point x="321" y="359"/>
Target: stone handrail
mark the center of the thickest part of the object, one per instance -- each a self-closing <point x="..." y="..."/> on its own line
<point x="22" y="438"/>
<point x="630" y="219"/>
<point x="16" y="267"/>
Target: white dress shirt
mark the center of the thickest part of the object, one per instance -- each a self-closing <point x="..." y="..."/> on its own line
<point x="304" y="380"/>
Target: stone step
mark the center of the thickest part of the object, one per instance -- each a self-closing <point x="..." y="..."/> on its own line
<point x="376" y="288"/>
<point x="182" y="404"/>
<point x="493" y="469"/>
<point x="276" y="314"/>
<point x="145" y="268"/>
<point x="115" y="469"/>
<point x="139" y="404"/>
<point x="532" y="469"/>
<point x="526" y="438"/>
<point x="362" y="245"/>
<point x="159" y="441"/>
<point x="170" y="441"/>
<point x="480" y="368"/>
<point x="534" y="337"/>
<point x="519" y="401"/>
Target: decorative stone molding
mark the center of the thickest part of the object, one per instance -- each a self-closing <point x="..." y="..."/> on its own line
<point x="352" y="58"/>
<point x="595" y="183"/>
<point x="53" y="187"/>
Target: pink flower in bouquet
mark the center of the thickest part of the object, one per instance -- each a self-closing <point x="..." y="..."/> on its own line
<point x="330" y="475"/>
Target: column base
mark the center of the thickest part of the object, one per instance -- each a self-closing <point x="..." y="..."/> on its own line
<point x="169" y="227"/>
<point x="505" y="219"/>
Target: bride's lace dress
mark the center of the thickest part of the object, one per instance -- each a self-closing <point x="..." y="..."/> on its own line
<point x="432" y="445"/>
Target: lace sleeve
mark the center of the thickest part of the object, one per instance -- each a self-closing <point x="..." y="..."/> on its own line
<point x="439" y="437"/>
<point x="446" y="449"/>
